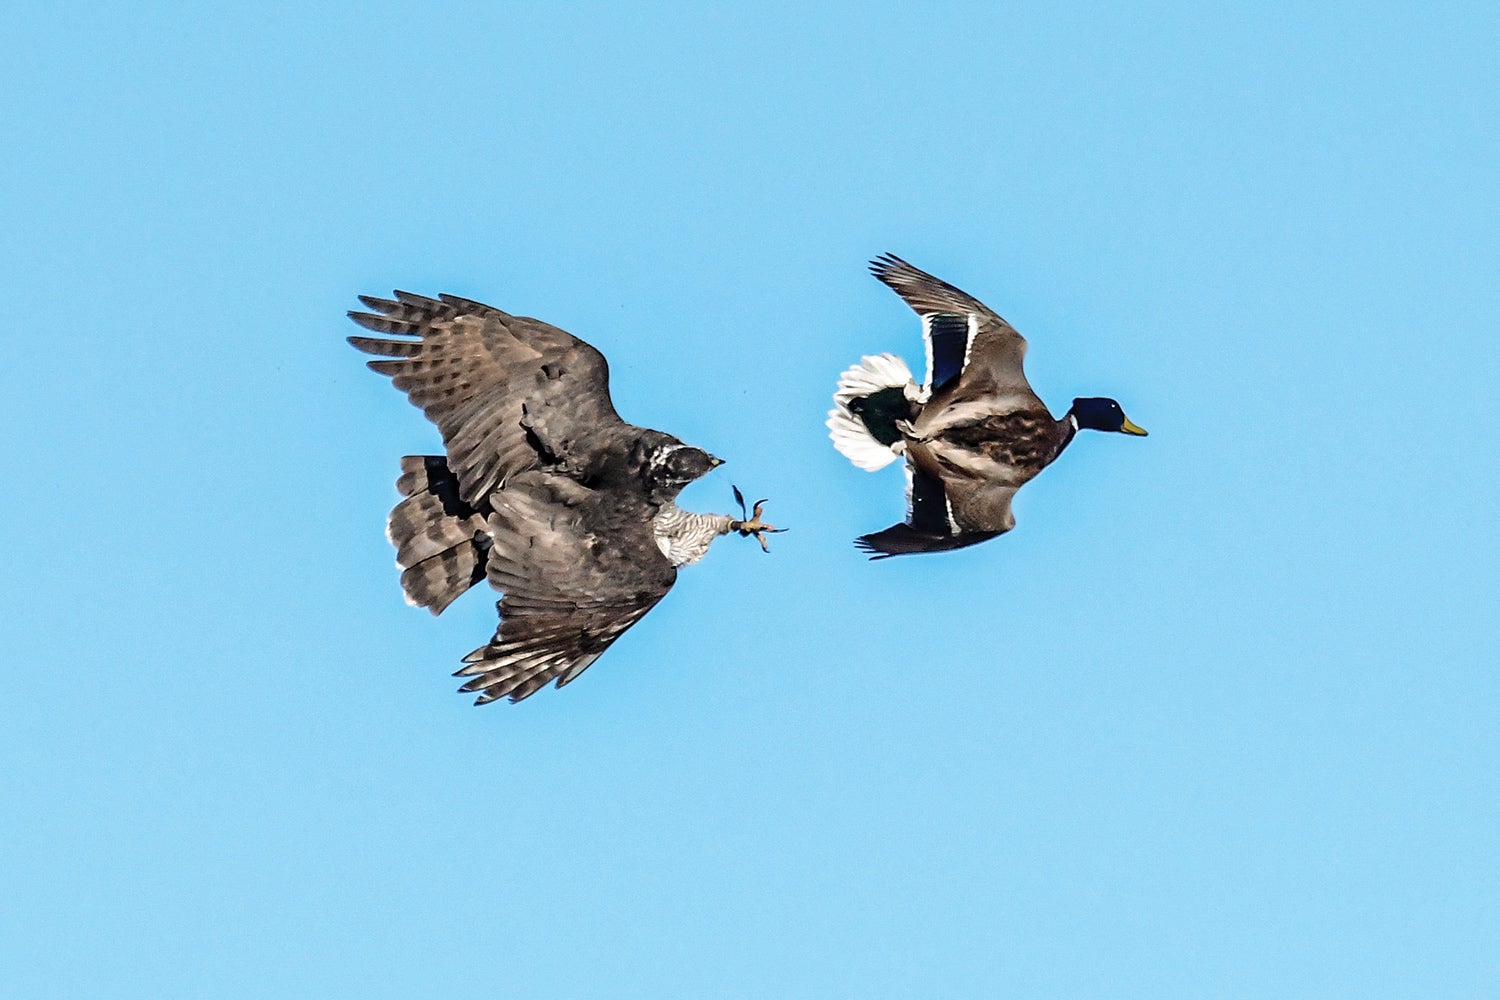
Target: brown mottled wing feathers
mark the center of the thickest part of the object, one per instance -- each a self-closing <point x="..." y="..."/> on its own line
<point x="577" y="568"/>
<point x="475" y="371"/>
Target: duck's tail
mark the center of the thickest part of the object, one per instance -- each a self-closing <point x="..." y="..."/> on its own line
<point x="872" y="396"/>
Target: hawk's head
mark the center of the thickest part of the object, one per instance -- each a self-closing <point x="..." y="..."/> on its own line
<point x="672" y="465"/>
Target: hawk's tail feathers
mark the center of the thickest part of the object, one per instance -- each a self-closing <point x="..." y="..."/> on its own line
<point x="441" y="542"/>
<point x="870" y="397"/>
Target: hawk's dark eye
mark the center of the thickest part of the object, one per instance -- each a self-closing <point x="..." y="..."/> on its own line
<point x="684" y="464"/>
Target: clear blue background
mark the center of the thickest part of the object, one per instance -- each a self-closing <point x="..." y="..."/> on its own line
<point x="1217" y="719"/>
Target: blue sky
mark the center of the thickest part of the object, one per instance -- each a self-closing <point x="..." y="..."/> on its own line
<point x="1217" y="719"/>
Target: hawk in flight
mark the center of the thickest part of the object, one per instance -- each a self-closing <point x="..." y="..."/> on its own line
<point x="566" y="509"/>
<point x="972" y="436"/>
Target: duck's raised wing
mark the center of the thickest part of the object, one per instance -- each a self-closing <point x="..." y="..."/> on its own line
<point x="967" y="342"/>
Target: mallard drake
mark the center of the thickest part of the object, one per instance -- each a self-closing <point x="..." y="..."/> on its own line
<point x="972" y="436"/>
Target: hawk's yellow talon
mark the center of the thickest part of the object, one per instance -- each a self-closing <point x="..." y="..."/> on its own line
<point x="753" y="525"/>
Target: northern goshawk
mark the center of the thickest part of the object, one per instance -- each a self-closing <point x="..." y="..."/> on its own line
<point x="566" y="509"/>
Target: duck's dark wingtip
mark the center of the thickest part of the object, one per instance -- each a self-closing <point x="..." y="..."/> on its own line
<point x="904" y="540"/>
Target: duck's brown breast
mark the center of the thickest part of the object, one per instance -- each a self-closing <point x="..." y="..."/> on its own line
<point x="1025" y="440"/>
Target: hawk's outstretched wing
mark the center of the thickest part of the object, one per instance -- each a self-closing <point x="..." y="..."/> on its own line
<point x="509" y="393"/>
<point x="577" y="567"/>
<point x="970" y="349"/>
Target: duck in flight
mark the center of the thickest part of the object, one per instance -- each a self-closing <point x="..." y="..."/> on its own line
<point x="972" y="435"/>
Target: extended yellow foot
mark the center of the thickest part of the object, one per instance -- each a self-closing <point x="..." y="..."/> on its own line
<point x="750" y="522"/>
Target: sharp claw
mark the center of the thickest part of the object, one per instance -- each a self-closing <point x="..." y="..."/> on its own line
<point x="751" y="524"/>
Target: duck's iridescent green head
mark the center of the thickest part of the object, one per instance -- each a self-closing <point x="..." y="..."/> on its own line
<point x="1099" y="414"/>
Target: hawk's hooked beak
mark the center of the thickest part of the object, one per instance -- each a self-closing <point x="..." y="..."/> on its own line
<point x="1129" y="428"/>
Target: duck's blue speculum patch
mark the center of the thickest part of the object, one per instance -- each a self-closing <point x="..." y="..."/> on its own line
<point x="948" y="333"/>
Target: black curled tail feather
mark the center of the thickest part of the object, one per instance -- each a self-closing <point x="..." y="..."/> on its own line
<point x="872" y="398"/>
<point x="881" y="411"/>
<point x="441" y="541"/>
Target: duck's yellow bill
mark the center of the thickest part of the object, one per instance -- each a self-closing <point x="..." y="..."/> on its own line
<point x="1129" y="428"/>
